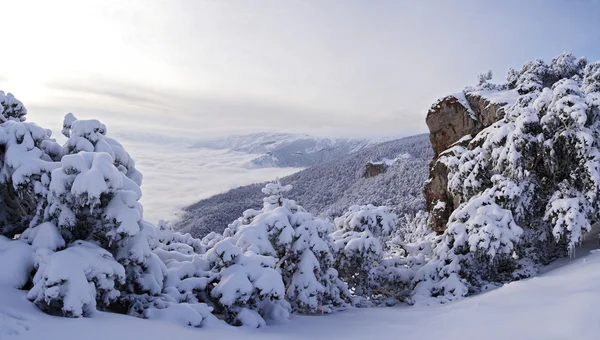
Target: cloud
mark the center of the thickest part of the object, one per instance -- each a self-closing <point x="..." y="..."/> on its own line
<point x="168" y="112"/>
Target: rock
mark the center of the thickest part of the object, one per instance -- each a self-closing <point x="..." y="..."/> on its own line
<point x="372" y="170"/>
<point x="439" y="202"/>
<point x="450" y="119"/>
<point x="458" y="115"/>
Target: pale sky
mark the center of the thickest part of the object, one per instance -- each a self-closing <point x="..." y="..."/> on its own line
<point x="211" y="68"/>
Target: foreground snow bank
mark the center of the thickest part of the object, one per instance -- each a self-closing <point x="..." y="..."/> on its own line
<point x="16" y="262"/>
<point x="560" y="304"/>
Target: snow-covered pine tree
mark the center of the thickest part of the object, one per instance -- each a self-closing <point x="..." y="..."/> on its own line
<point x="27" y="155"/>
<point x="11" y="108"/>
<point x="90" y="136"/>
<point x="483" y="80"/>
<point x="360" y="236"/>
<point x="302" y="245"/>
<point x="528" y="184"/>
<point x="89" y="199"/>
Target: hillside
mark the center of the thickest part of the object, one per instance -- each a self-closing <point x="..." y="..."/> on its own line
<point x="287" y="150"/>
<point x="327" y="189"/>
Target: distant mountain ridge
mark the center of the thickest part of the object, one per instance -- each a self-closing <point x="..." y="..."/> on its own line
<point x="330" y="188"/>
<point x="289" y="150"/>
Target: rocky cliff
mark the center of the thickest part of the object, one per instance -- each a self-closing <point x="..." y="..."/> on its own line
<point x="456" y="118"/>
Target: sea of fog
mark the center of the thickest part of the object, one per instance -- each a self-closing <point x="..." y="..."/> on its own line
<point x="176" y="174"/>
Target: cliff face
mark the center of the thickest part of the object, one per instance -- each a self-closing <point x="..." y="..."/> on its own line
<point x="449" y="120"/>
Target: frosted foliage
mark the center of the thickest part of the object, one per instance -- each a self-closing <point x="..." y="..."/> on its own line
<point x="569" y="214"/>
<point x="90" y="199"/>
<point x="302" y="246"/>
<point x="360" y="236"/>
<point x="26" y="160"/>
<point x="11" y="108"/>
<point x="483" y="79"/>
<point x="248" y="285"/>
<point x="90" y="136"/>
<point x="89" y="185"/>
<point x="274" y="192"/>
<point x="527" y="184"/>
<point x="481" y="225"/>
<point x="72" y="282"/>
<point x="45" y="235"/>
<point x="566" y="65"/>
<point x="170" y="240"/>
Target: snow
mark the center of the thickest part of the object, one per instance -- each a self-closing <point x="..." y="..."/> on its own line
<point x="460" y="96"/>
<point x="388" y="161"/>
<point x="73" y="279"/>
<point x="507" y="97"/>
<point x="16" y="262"/>
<point x="560" y="304"/>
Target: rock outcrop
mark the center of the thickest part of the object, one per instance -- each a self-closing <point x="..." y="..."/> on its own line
<point x="374" y="169"/>
<point x="451" y="119"/>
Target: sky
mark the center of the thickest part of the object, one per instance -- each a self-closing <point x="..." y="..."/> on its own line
<point x="200" y="69"/>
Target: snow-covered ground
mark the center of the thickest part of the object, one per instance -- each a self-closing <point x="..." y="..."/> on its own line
<point x="560" y="304"/>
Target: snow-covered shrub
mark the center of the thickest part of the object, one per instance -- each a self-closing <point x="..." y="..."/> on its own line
<point x="528" y="184"/>
<point x="411" y="229"/>
<point x="26" y="159"/>
<point x="90" y="136"/>
<point x="90" y="199"/>
<point x="248" y="287"/>
<point x="360" y="236"/>
<point x="483" y="80"/>
<point x="168" y="239"/>
<point x="302" y="246"/>
<point x="186" y="286"/>
<point x="73" y="281"/>
<point x="45" y="235"/>
<point x="11" y="108"/>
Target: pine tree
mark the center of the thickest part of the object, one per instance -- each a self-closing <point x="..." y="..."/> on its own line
<point x="302" y="245"/>
<point x="360" y="237"/>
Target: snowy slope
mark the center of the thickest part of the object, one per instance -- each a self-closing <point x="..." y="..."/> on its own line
<point x="561" y="304"/>
<point x="328" y="189"/>
<point x="288" y="150"/>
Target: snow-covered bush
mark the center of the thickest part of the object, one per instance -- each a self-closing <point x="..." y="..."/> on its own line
<point x="186" y="286"/>
<point x="248" y="286"/>
<point x="73" y="281"/>
<point x="90" y="199"/>
<point x="168" y="239"/>
<point x="11" y="108"/>
<point x="527" y="185"/>
<point x="360" y="236"/>
<point x="26" y="159"/>
<point x="90" y="136"/>
<point x="302" y="246"/>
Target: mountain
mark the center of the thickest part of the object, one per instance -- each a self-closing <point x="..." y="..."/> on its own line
<point x="288" y="150"/>
<point x="391" y="173"/>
